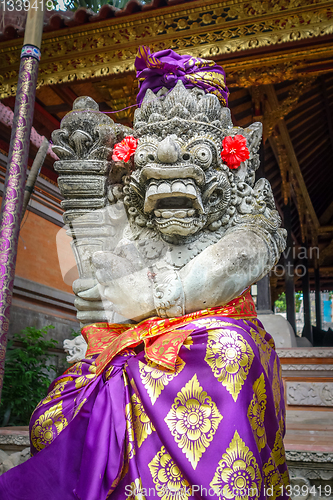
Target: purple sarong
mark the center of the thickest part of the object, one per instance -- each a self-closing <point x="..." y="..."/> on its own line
<point x="212" y="428"/>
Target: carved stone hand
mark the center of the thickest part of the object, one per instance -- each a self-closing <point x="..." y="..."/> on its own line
<point x="214" y="277"/>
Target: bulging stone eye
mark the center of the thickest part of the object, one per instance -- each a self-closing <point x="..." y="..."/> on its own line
<point x="203" y="155"/>
<point x="144" y="155"/>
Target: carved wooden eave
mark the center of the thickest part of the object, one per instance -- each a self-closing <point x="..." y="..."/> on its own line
<point x="258" y="42"/>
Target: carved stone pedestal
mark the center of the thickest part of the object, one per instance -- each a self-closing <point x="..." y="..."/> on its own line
<point x="14" y="447"/>
<point x="308" y="382"/>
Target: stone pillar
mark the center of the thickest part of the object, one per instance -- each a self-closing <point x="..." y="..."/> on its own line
<point x="289" y="269"/>
<point x="12" y="200"/>
<point x="264" y="304"/>
<point x="307" y="332"/>
<point x="318" y="296"/>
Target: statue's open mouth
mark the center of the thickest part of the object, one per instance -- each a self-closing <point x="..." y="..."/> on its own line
<point x="176" y="200"/>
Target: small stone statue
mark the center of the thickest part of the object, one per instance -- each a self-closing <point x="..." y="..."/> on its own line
<point x="76" y="349"/>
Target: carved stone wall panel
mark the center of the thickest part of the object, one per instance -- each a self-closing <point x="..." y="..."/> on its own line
<point x="311" y="475"/>
<point x="307" y="485"/>
<point x="12" y="440"/>
<point x="208" y="30"/>
<point x="315" y="473"/>
<point x="314" y="352"/>
<point x="309" y="456"/>
<point x="309" y="393"/>
<point x="307" y="368"/>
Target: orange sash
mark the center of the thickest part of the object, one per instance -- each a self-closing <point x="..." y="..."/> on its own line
<point x="162" y="338"/>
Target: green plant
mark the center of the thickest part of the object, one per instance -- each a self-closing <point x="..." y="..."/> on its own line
<point x="75" y="333"/>
<point x="28" y="373"/>
<point x="298" y="300"/>
<point x="281" y="305"/>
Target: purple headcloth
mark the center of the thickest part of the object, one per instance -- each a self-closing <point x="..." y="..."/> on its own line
<point x="166" y="67"/>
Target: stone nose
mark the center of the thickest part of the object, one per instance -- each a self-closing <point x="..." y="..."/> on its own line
<point x="168" y="150"/>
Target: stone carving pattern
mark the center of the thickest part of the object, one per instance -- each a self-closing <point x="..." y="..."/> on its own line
<point x="12" y="439"/>
<point x="180" y="198"/>
<point x="324" y="473"/>
<point x="309" y="393"/>
<point x="309" y="456"/>
<point x="314" y="352"/>
<point x="312" y="470"/>
<point x="76" y="349"/>
<point x="309" y="368"/>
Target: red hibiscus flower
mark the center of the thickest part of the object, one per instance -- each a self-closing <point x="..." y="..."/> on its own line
<point x="123" y="150"/>
<point x="234" y="151"/>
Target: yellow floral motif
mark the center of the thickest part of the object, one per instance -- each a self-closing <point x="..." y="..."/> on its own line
<point x="60" y="384"/>
<point x="48" y="426"/>
<point x="79" y="407"/>
<point x="276" y="387"/>
<point x="155" y="378"/>
<point x="76" y="369"/>
<point x="278" y="449"/>
<point x="92" y="368"/>
<point x="282" y="425"/>
<point x="188" y="342"/>
<point x="256" y="411"/>
<point x="264" y="348"/>
<point x="285" y="479"/>
<point x="108" y="372"/>
<point x="130" y="444"/>
<point x="210" y="323"/>
<point x="170" y="482"/>
<point x="230" y="357"/>
<point x="83" y="381"/>
<point x="271" y="343"/>
<point x="237" y="475"/>
<point x="143" y="427"/>
<point x="272" y="479"/>
<point x="193" y="420"/>
<point x="56" y="392"/>
<point x="136" y="490"/>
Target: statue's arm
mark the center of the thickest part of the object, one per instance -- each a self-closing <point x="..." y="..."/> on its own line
<point x="212" y="278"/>
<point x="223" y="270"/>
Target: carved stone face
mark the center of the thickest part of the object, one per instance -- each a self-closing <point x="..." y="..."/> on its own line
<point x="180" y="183"/>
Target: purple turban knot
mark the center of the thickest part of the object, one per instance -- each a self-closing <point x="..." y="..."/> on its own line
<point x="166" y="67"/>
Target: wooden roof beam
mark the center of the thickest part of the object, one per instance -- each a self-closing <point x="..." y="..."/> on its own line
<point x="327" y="215"/>
<point x="274" y="103"/>
<point x="325" y="229"/>
<point x="327" y="109"/>
<point x="65" y="93"/>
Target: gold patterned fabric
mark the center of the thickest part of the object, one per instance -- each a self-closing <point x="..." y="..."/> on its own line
<point x="209" y="427"/>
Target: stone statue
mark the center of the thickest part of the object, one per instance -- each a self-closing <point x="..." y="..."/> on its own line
<point x="179" y="390"/>
<point x="182" y="228"/>
<point x="76" y="349"/>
